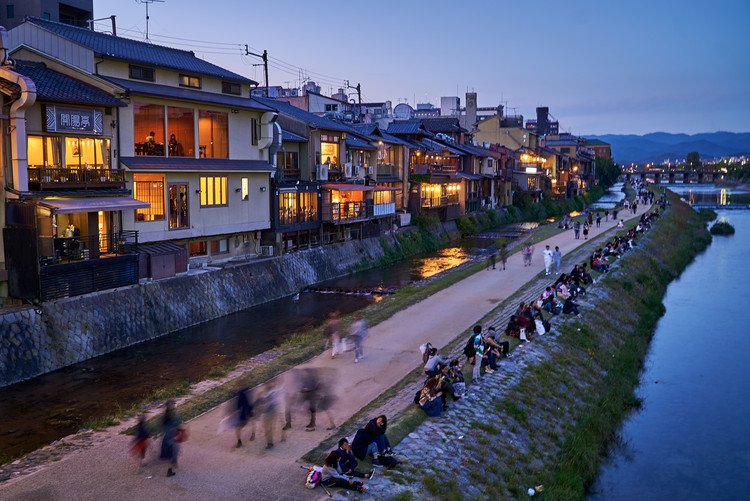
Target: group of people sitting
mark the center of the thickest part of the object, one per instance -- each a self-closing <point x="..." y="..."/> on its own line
<point x="444" y="382"/>
<point x="340" y="467"/>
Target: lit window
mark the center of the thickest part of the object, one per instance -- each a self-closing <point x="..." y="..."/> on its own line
<point x="213" y="191"/>
<point x="149" y="188"/>
<point x="190" y="81"/>
<point x="245" y="189"/>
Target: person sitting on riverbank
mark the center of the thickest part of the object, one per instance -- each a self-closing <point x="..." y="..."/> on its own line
<point x="429" y="398"/>
<point x="551" y="305"/>
<point x="435" y="363"/>
<point x="332" y="477"/>
<point x="379" y="425"/>
<point x="348" y="463"/>
<point x="571" y="307"/>
<point x="456" y="378"/>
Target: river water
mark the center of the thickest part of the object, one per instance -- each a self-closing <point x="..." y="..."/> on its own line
<point x="610" y="198"/>
<point x="690" y="439"/>
<point x="36" y="412"/>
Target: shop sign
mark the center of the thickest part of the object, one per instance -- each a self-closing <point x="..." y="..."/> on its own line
<point x="79" y="120"/>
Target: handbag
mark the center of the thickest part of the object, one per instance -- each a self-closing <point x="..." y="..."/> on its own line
<point x="539" y="326"/>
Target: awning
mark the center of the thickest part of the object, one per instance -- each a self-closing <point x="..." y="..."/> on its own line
<point x="69" y="205"/>
<point x="347" y="187"/>
<point x="147" y="163"/>
<point x="387" y="188"/>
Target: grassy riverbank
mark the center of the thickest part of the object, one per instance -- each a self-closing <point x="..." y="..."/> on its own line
<point x="595" y="368"/>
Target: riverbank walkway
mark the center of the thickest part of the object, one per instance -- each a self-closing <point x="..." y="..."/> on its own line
<point x="211" y="468"/>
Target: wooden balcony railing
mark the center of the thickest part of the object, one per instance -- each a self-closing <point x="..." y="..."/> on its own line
<point x="389" y="170"/>
<point x="55" y="178"/>
<point x="434" y="202"/>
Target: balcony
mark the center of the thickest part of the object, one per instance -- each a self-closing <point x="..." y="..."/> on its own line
<point x="291" y="216"/>
<point x="435" y="169"/>
<point x="348" y="212"/>
<point x="57" y="250"/>
<point x="442" y="201"/>
<point x="55" y="178"/>
<point x="388" y="170"/>
<point x="380" y="210"/>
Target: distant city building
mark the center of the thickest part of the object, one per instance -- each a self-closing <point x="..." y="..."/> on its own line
<point x="542" y="125"/>
<point x="403" y="111"/>
<point x="450" y="106"/>
<point x="75" y="12"/>
<point x="601" y="148"/>
<point x="426" y="110"/>
<point x="274" y="91"/>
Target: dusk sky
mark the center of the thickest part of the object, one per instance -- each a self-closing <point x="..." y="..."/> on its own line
<point x="602" y="67"/>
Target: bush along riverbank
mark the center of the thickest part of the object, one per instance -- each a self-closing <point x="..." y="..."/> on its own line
<point x="548" y="415"/>
<point x="722" y="228"/>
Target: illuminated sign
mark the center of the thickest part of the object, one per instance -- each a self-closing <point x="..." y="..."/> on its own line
<point x="530" y="170"/>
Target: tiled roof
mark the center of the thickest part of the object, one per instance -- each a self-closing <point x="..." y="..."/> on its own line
<point x="59" y="88"/>
<point x="366" y="129"/>
<point x="596" y="142"/>
<point x="299" y="114"/>
<point x="151" y="89"/>
<point x="407" y="127"/>
<point x="452" y="148"/>
<point x="186" y="164"/>
<point x="442" y="124"/>
<point x="292" y="137"/>
<point x="136" y="51"/>
<point x="472" y="150"/>
<point x="357" y="143"/>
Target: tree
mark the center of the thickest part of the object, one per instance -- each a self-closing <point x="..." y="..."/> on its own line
<point x="606" y="171"/>
<point x="693" y="160"/>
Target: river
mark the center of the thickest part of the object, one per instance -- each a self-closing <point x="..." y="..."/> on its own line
<point x="46" y="408"/>
<point x="690" y="438"/>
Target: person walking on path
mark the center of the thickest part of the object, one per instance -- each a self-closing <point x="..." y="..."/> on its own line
<point x="359" y="333"/>
<point x="591" y="218"/>
<point x="528" y="253"/>
<point x="244" y="409"/>
<point x="547" y="253"/>
<point x="173" y="435"/>
<point x="557" y="260"/>
<point x="577" y="230"/>
<point x="331" y="330"/>
<point x="598" y="220"/>
<point x="503" y="254"/>
<point x="585" y="231"/>
<point x="492" y="259"/>
<point x="606" y="215"/>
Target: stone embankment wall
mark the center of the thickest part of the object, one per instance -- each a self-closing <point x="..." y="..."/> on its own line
<point x="34" y="341"/>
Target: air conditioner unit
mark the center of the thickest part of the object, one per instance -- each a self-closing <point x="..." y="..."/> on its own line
<point x="266" y="250"/>
<point x="362" y="171"/>
<point x="322" y="173"/>
<point x="348" y="169"/>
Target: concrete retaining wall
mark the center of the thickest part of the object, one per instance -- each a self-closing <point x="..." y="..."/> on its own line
<point x="34" y="341"/>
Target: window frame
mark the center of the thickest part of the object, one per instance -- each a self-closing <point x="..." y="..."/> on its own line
<point x="205" y="194"/>
<point x="186" y="222"/>
<point x="185" y="80"/>
<point x="226" y="88"/>
<point x="132" y="74"/>
<point x="163" y="203"/>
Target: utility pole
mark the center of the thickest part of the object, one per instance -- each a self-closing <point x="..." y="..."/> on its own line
<point x="264" y="57"/>
<point x="147" y="2"/>
<point x="358" y="88"/>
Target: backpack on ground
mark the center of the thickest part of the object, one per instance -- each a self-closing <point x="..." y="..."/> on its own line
<point x="314" y="477"/>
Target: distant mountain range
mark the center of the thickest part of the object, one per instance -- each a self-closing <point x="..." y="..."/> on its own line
<point x="660" y="146"/>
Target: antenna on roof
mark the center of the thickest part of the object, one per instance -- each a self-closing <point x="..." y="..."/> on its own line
<point x="147" y="3"/>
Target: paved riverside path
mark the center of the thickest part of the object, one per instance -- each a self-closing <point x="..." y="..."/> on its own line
<point x="211" y="468"/>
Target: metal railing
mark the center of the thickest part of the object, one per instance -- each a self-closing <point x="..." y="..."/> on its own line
<point x="45" y="178"/>
<point x="289" y="216"/>
<point x="55" y="250"/>
<point x="341" y="212"/>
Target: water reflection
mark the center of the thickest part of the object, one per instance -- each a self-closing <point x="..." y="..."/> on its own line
<point x="711" y="195"/>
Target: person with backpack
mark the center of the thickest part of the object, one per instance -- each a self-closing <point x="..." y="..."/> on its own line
<point x="332" y="477"/>
<point x="479" y="353"/>
<point x="434" y="363"/>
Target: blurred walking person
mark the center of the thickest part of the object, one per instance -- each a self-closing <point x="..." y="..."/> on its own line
<point x="245" y="411"/>
<point x="557" y="259"/>
<point x="359" y="333"/>
<point x="547" y="254"/>
<point x="270" y="402"/>
<point x="141" y="440"/>
<point x="174" y="434"/>
<point x="331" y="330"/>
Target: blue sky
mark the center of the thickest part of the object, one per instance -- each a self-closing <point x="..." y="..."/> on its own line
<point x="602" y="66"/>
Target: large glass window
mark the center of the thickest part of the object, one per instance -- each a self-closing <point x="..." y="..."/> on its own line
<point x="213" y="191"/>
<point x="148" y="122"/>
<point x="149" y="188"/>
<point x="329" y="150"/>
<point x="44" y="151"/>
<point x="86" y="152"/>
<point x="178" y="206"/>
<point x="308" y="206"/>
<point x="181" y="124"/>
<point x="287" y="208"/>
<point x="383" y="197"/>
<point x="213" y="132"/>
